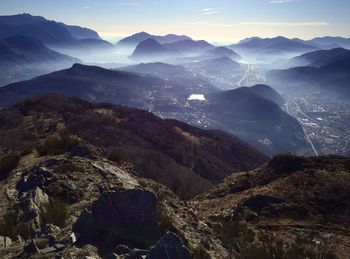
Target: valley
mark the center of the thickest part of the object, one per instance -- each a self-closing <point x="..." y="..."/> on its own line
<point x="125" y="144"/>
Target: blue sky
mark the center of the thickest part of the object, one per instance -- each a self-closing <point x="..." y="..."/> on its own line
<point x="215" y="20"/>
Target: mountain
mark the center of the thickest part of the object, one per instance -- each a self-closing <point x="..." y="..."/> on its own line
<point x="25" y="19"/>
<point x="264" y="91"/>
<point x="271" y="49"/>
<point x="189" y="46"/>
<point x="153" y="50"/>
<point x="23" y="57"/>
<point x="252" y="116"/>
<point x="157" y="69"/>
<point x="320" y="57"/>
<point x="135" y="39"/>
<point x="287" y="195"/>
<point x="81" y="32"/>
<point x="245" y="113"/>
<point x="163" y="150"/>
<point x="51" y="33"/>
<point x="29" y="50"/>
<point x="149" y="49"/>
<point x="221" y="52"/>
<point x="215" y="66"/>
<point x="89" y="82"/>
<point x="248" y="115"/>
<point x="93" y="198"/>
<point x="331" y="42"/>
<point x="332" y="77"/>
<point x="277" y="43"/>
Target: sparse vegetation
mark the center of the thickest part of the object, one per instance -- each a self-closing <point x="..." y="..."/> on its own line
<point x="7" y="163"/>
<point x="200" y="253"/>
<point x="164" y="221"/>
<point x="116" y="155"/>
<point x="55" y="212"/>
<point x="13" y="225"/>
<point x="57" y="145"/>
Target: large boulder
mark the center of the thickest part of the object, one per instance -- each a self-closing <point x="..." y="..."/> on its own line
<point x="33" y="204"/>
<point x="5" y="242"/>
<point x="36" y="177"/>
<point x="123" y="217"/>
<point x="169" y="246"/>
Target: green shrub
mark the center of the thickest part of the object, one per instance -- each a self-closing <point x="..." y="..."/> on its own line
<point x="200" y="253"/>
<point x="165" y="223"/>
<point x="116" y="155"/>
<point x="55" y="212"/>
<point x="13" y="225"/>
<point x="7" y="164"/>
<point x="57" y="145"/>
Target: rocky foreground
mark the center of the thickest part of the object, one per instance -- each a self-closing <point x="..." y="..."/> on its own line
<point x="71" y="196"/>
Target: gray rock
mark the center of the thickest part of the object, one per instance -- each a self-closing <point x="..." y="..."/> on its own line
<point x="169" y="246"/>
<point x="82" y="150"/>
<point x="36" y="177"/>
<point x="5" y="242"/>
<point x="111" y="256"/>
<point x="122" y="249"/>
<point x="32" y="204"/>
<point x="30" y="250"/>
<point x="122" y="217"/>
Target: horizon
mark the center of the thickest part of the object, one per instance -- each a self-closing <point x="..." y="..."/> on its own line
<point x="223" y="21"/>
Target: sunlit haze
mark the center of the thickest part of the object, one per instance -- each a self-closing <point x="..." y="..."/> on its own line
<point x="216" y="21"/>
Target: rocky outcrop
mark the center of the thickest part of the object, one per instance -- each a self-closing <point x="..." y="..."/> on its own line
<point x="32" y="204"/>
<point x="5" y="242"/>
<point x="121" y="217"/>
<point x="36" y="177"/>
<point x="169" y="246"/>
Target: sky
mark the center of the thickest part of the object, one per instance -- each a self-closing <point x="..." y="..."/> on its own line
<point x="213" y="20"/>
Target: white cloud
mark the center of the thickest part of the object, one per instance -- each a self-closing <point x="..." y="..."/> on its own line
<point x="282" y="1"/>
<point x="286" y="24"/>
<point x="210" y="11"/>
<point x="128" y="4"/>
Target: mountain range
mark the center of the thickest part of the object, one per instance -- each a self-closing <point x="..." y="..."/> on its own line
<point x="151" y="49"/>
<point x="135" y="39"/>
<point x="269" y="49"/>
<point x="250" y="116"/>
<point x="23" y="57"/>
<point x="328" y="69"/>
<point x="92" y="191"/>
<point x="53" y="34"/>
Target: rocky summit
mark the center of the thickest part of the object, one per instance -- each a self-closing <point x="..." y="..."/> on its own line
<point x="68" y="192"/>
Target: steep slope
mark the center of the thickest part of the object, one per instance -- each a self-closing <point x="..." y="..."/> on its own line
<point x="149" y="49"/>
<point x="288" y="200"/>
<point x="88" y="82"/>
<point x="22" y="57"/>
<point x="255" y="119"/>
<point x="135" y="39"/>
<point x="271" y="49"/>
<point x="172" y="152"/>
<point x="152" y="49"/>
<point x="28" y="50"/>
<point x="25" y="18"/>
<point x="333" y="77"/>
<point x="320" y="57"/>
<point x="221" y="52"/>
<point x="266" y="92"/>
<point x="52" y="33"/>
<point x="162" y="70"/>
<point x="52" y="199"/>
<point x="216" y="66"/>
<point x="331" y="42"/>
<point x="247" y="114"/>
<point x="189" y="46"/>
